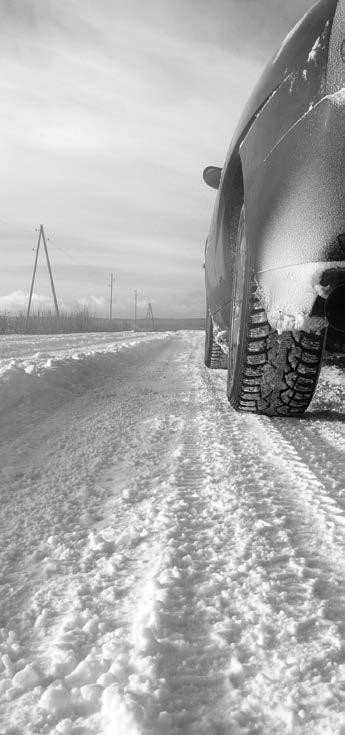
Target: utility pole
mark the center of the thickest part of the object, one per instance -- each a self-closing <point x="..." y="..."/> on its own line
<point x="149" y="321"/>
<point x="111" y="296"/>
<point x="135" y="308"/>
<point x="42" y="236"/>
<point x="50" y="272"/>
<point x="33" y="276"/>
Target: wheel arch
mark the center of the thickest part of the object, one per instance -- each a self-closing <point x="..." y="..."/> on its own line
<point x="233" y="193"/>
<point x="228" y="210"/>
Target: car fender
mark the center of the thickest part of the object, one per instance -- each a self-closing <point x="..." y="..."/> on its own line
<point x="294" y="184"/>
<point x="294" y="84"/>
<point x="281" y="78"/>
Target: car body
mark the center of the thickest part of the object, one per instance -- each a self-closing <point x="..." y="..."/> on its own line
<point x="286" y="165"/>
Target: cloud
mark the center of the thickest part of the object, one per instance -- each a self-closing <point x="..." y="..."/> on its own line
<point x="93" y="303"/>
<point x="18" y="301"/>
<point x="248" y="26"/>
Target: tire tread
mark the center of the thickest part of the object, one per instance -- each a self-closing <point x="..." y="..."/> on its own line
<point x="278" y="379"/>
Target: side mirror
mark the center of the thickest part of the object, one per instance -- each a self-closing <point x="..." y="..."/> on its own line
<point x="211" y="176"/>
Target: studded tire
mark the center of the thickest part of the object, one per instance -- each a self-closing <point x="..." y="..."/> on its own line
<point x="215" y="358"/>
<point x="268" y="373"/>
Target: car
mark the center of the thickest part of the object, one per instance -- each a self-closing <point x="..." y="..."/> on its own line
<point x="275" y="251"/>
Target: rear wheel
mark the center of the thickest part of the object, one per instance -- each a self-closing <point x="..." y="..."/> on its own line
<point x="267" y="373"/>
<point x="215" y="358"/>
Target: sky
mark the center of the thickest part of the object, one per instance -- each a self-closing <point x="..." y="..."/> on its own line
<point x="110" y="111"/>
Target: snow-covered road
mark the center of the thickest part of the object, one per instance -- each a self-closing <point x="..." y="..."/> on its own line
<point x="167" y="566"/>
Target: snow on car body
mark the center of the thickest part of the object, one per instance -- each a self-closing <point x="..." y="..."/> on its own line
<point x="285" y="171"/>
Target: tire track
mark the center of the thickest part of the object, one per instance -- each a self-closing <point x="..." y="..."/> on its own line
<point x="308" y="578"/>
<point x="73" y="626"/>
<point x="236" y="594"/>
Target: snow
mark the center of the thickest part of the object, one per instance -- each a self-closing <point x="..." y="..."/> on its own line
<point x="289" y="299"/>
<point x="337" y="98"/>
<point x="55" y="700"/>
<point x="316" y="50"/>
<point x="168" y="567"/>
<point x="221" y="336"/>
<point x="312" y="57"/>
<point x="64" y="352"/>
<point x="34" y="369"/>
<point x="283" y="322"/>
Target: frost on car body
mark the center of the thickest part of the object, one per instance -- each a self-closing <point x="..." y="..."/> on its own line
<point x="285" y="170"/>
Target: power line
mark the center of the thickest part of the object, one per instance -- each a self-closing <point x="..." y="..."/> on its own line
<point x="58" y="247"/>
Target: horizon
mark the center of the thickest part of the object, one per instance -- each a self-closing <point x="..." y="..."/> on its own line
<point x="49" y="313"/>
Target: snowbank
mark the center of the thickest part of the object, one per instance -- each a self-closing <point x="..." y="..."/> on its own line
<point x="49" y="370"/>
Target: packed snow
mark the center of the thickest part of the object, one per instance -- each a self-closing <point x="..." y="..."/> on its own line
<point x="168" y="566"/>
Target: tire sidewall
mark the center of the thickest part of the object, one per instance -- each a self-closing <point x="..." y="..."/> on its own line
<point x="234" y="379"/>
<point x="208" y="338"/>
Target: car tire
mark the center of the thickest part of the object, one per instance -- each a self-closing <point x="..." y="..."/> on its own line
<point x="215" y="358"/>
<point x="268" y="373"/>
